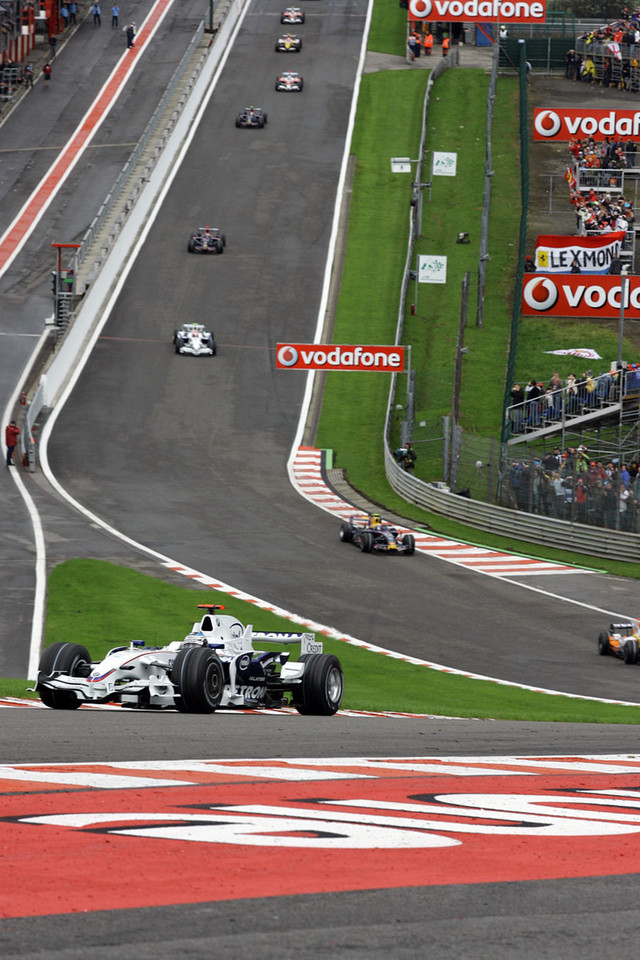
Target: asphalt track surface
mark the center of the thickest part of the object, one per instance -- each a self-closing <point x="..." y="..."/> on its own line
<point x="189" y="458"/>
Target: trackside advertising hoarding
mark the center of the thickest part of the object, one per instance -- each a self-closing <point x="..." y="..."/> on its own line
<point x="577" y="296"/>
<point x="478" y="11"/>
<point x="562" y="124"/>
<point x="329" y="356"/>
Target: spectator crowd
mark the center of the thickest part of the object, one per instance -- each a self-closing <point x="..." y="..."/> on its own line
<point x="572" y="486"/>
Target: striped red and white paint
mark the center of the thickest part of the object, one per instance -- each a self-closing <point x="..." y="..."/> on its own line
<point x="309" y="480"/>
<point x="29" y="216"/>
<point x="205" y="830"/>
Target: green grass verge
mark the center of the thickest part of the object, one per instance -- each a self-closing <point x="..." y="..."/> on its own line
<point x="101" y="605"/>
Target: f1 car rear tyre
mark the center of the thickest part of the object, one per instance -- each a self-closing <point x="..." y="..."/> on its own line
<point x="219" y="247"/>
<point x="198" y="678"/>
<point x="322" y="685"/>
<point x="603" y="644"/>
<point x="301" y="83"/>
<point x="630" y="651"/>
<point x="68" y="658"/>
<point x="409" y="543"/>
<point x="366" y="543"/>
<point x="345" y="533"/>
<point x="191" y="246"/>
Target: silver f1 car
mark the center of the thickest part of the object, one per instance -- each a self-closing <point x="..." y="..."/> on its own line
<point x="215" y="665"/>
<point x="292" y="15"/>
<point x="371" y="534"/>
<point x="288" y="44"/>
<point x="290" y="82"/>
<point x="251" y="117"/>
<point x="207" y="240"/>
<point x="194" y="340"/>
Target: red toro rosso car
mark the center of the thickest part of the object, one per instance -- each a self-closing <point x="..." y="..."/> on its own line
<point x="373" y="535"/>
<point x="292" y="15"/>
<point x="290" y="82"/>
<point x="207" y="240"/>
<point x="251" y="117"/>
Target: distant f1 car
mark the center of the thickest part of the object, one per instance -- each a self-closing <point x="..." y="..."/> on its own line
<point x="288" y="44"/>
<point x="290" y="82"/>
<point x="207" y="240"/>
<point x="371" y="534"/>
<point x="622" y="640"/>
<point x="251" y="117"/>
<point x="194" y="340"/>
<point x="292" y="15"/>
<point x="215" y="665"/>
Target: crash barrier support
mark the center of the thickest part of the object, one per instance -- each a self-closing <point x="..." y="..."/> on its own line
<point x="415" y="209"/>
<point x="90" y="313"/>
<point x="486" y="201"/>
<point x="514" y="524"/>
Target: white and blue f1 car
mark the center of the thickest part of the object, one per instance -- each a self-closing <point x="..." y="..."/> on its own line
<point x="216" y="665"/>
<point x="194" y="339"/>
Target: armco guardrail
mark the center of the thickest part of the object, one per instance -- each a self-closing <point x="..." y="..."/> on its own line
<point x="514" y="524"/>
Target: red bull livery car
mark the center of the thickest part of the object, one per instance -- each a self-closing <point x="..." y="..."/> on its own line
<point x="207" y="240"/>
<point x="251" y="117"/>
<point x="371" y="534"/>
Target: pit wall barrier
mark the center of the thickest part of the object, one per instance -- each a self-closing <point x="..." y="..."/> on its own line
<point x="105" y="285"/>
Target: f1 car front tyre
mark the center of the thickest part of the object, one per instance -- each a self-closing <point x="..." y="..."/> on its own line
<point x="70" y="659"/>
<point x="409" y="543"/>
<point x="198" y="679"/>
<point x="345" y="533"/>
<point x="603" y="644"/>
<point x="366" y="542"/>
<point x="322" y="685"/>
<point x="630" y="651"/>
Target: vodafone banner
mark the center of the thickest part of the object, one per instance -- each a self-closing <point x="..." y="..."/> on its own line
<point x="478" y="11"/>
<point x="590" y="254"/>
<point x="328" y="356"/>
<point x="576" y="296"/>
<point x="563" y="124"/>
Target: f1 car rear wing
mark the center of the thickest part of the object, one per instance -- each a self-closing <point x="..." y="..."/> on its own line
<point x="307" y="641"/>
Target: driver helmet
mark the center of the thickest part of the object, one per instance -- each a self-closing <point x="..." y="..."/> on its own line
<point x="375" y="520"/>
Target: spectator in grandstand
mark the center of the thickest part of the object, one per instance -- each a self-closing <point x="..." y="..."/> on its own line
<point x="517" y="402"/>
<point x="606" y="74"/>
<point x="588" y="70"/>
<point x="529" y="265"/>
<point x="532" y="392"/>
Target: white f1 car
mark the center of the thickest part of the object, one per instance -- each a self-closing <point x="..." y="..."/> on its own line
<point x="215" y="665"/>
<point x="193" y="339"/>
<point x="290" y="82"/>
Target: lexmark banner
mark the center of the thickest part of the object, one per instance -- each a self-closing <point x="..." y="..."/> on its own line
<point x="564" y="124"/>
<point x="589" y="254"/>
<point x="327" y="356"/>
<point x="479" y="11"/>
<point x="576" y="296"/>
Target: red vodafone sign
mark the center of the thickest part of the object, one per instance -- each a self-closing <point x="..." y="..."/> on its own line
<point x="328" y="356"/>
<point x="478" y="11"/>
<point x="577" y="295"/>
<point x="563" y="124"/>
